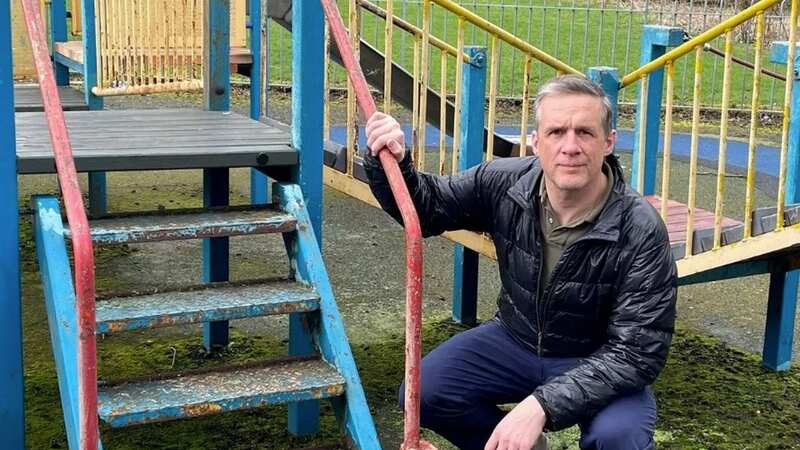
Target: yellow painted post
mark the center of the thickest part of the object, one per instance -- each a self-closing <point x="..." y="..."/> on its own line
<point x="75" y="10"/>
<point x="458" y="103"/>
<point x="690" y="206"/>
<point x="642" y="135"/>
<point x="526" y="93"/>
<point x="411" y="29"/>
<point x="442" y="109"/>
<point x="787" y="112"/>
<point x="141" y="34"/>
<point x="352" y="127"/>
<point x="195" y="46"/>
<point x="493" y="71"/>
<point x="415" y="106"/>
<point x="422" y="122"/>
<point x="667" y="154"/>
<point x="754" y="120"/>
<point x="102" y="56"/>
<point x="326" y="85"/>
<point x="387" y="61"/>
<point x="723" y="140"/>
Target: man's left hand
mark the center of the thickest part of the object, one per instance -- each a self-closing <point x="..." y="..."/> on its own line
<point x="520" y="428"/>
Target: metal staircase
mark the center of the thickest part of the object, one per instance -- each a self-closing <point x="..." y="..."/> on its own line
<point x="328" y="372"/>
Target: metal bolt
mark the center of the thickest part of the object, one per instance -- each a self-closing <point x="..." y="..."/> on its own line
<point x="262" y="159"/>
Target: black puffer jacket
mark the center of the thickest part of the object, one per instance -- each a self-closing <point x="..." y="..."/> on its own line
<point x="611" y="297"/>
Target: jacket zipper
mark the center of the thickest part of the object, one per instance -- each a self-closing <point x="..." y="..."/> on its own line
<point x="546" y="293"/>
<point x="541" y="300"/>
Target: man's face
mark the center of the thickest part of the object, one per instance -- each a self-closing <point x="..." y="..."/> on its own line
<point x="570" y="141"/>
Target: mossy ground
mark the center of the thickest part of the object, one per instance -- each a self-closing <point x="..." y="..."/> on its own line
<point x="711" y="395"/>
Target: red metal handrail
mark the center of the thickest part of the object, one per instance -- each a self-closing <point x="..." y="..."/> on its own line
<point x="78" y="223"/>
<point x="413" y="351"/>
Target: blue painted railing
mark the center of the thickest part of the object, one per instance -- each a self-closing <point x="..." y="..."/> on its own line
<point x="12" y="426"/>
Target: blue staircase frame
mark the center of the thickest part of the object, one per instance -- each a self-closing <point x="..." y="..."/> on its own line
<point x="324" y="328"/>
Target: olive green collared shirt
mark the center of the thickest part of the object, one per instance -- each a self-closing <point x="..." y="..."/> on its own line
<point x="558" y="237"/>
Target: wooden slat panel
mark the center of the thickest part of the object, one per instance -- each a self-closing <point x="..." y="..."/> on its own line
<point x="154" y="139"/>
<point x="74" y="51"/>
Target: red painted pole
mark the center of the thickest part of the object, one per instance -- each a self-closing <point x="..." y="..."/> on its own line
<point x="411" y="440"/>
<point x="78" y="223"/>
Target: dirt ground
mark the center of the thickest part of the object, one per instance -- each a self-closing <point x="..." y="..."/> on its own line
<point x="363" y="250"/>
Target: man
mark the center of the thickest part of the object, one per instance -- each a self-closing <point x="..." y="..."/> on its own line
<point x="587" y="305"/>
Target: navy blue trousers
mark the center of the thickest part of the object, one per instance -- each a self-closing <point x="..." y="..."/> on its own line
<point x="464" y="379"/>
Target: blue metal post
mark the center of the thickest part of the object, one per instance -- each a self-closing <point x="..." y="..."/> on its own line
<point x="655" y="40"/>
<point x="12" y="425"/>
<point x="97" y="180"/>
<point x="608" y="78"/>
<point x="782" y="305"/>
<point x="90" y="55"/>
<point x="259" y="183"/>
<point x="58" y="33"/>
<point x="465" y="261"/>
<point x="59" y="295"/>
<point x="308" y="25"/>
<point x="216" y="182"/>
<point x="307" y="91"/>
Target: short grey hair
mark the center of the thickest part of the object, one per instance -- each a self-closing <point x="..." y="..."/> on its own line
<point x="574" y="84"/>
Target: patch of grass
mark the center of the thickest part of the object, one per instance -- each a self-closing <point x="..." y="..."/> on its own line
<point x="710" y="396"/>
<point x="581" y="35"/>
<point x="713" y="396"/>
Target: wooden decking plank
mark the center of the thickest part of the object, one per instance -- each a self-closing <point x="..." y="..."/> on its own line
<point x="28" y="98"/>
<point x="703" y="221"/>
<point x="154" y="139"/>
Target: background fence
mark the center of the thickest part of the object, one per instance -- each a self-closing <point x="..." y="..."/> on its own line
<point x="581" y="33"/>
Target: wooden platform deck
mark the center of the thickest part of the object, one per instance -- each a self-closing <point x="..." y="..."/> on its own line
<point x="27" y="98"/>
<point x="154" y="139"/>
<point x="703" y="224"/>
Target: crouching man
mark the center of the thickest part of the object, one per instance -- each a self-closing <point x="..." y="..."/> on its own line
<point x="587" y="305"/>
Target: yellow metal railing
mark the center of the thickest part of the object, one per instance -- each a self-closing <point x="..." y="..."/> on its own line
<point x="505" y="36"/>
<point x="429" y="50"/>
<point x="698" y="40"/>
<point x="668" y="61"/>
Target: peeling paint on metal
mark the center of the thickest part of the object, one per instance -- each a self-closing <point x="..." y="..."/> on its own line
<point x="150" y="228"/>
<point x="206" y="305"/>
<point x="50" y="220"/>
<point x="215" y="392"/>
<point x="202" y="409"/>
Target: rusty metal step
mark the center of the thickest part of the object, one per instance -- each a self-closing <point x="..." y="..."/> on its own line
<point x="212" y="303"/>
<point x="188" y="224"/>
<point x="214" y="392"/>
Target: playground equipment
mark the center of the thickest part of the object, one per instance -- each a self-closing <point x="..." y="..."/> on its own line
<point x="709" y="244"/>
<point x="147" y="46"/>
<point x="714" y="243"/>
<point x="413" y="352"/>
<point x="320" y="363"/>
<point x="142" y="46"/>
